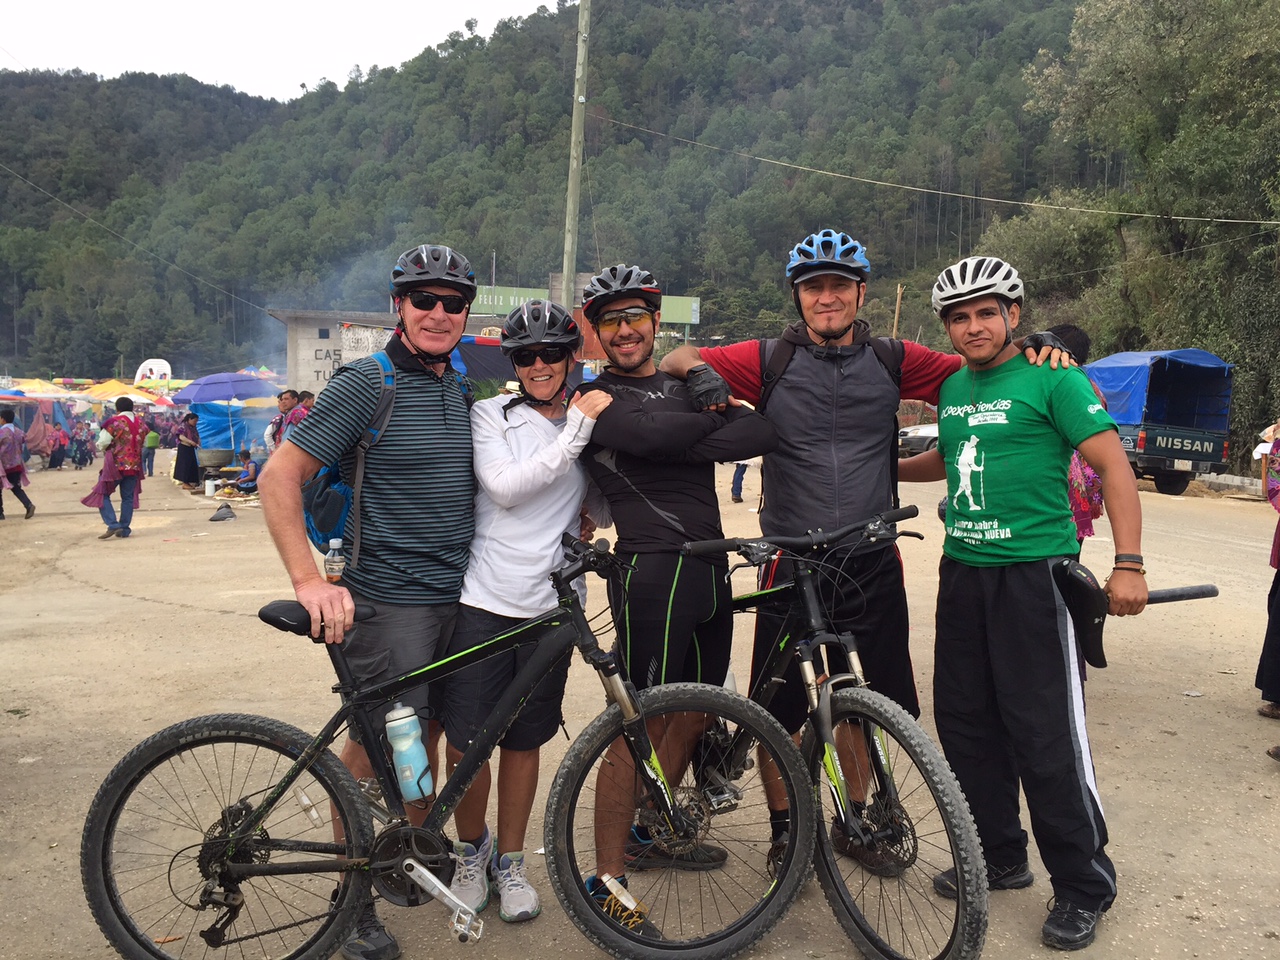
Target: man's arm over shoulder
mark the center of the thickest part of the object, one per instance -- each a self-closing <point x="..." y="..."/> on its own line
<point x="746" y="434"/>
<point x="627" y="426"/>
<point x="924" y="370"/>
<point x="738" y="363"/>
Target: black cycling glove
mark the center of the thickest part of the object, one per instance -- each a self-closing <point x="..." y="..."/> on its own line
<point x="706" y="387"/>
<point x="1038" y="341"/>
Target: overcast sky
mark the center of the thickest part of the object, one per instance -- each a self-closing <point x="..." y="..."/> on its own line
<point x="268" y="48"/>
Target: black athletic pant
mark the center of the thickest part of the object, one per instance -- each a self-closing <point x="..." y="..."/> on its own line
<point x="1009" y="705"/>
<point x="674" y="617"/>
<point x="15" y="478"/>
<point x="867" y="598"/>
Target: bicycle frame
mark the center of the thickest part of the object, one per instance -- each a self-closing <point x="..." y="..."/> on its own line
<point x="556" y="632"/>
<point x="802" y="633"/>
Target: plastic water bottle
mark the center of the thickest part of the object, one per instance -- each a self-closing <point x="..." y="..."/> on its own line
<point x="334" y="563"/>
<point x="409" y="756"/>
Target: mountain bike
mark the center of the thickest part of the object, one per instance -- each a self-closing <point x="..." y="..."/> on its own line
<point x="236" y="835"/>
<point x="892" y="816"/>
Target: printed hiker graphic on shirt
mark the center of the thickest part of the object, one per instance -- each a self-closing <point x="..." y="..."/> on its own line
<point x="1006" y="437"/>
<point x="968" y="462"/>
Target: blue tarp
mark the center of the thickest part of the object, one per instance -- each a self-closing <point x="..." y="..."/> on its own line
<point x="1189" y="388"/>
<point x="231" y="425"/>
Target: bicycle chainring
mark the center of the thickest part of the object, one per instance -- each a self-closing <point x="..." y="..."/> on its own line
<point x="390" y="848"/>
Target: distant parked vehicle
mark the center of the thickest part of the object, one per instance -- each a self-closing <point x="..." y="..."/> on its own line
<point x="917" y="439"/>
<point x="1173" y="409"/>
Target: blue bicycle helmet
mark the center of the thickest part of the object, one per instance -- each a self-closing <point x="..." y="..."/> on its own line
<point x="828" y="251"/>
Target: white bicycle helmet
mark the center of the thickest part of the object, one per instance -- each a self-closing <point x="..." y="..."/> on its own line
<point x="976" y="277"/>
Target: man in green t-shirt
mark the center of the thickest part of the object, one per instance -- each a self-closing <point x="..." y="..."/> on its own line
<point x="1008" y="700"/>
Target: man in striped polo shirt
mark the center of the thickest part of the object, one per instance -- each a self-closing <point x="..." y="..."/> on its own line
<point x="416" y="502"/>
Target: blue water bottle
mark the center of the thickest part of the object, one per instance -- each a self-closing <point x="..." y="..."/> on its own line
<point x="404" y="733"/>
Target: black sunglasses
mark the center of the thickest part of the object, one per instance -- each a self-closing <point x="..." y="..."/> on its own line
<point x="422" y="300"/>
<point x="550" y="353"/>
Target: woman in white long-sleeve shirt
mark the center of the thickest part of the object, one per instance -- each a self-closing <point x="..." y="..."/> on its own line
<point x="531" y="491"/>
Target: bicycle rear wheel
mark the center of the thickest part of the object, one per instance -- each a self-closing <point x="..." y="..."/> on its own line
<point x="884" y="897"/>
<point x="156" y="837"/>
<point x="696" y="910"/>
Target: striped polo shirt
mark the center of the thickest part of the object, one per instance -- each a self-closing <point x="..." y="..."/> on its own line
<point x="417" y="498"/>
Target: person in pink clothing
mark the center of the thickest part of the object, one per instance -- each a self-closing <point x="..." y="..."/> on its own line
<point x="121" y="442"/>
<point x="13" y="467"/>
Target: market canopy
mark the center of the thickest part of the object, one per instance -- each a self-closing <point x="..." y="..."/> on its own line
<point x="224" y="386"/>
<point x="36" y="389"/>
<point x="111" y="390"/>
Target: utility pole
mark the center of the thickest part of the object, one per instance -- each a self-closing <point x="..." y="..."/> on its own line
<point x="578" y="127"/>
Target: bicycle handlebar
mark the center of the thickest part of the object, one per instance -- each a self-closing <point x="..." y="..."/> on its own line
<point x="1199" y="591"/>
<point x="810" y="541"/>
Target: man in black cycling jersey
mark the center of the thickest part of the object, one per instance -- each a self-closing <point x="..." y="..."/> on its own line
<point x="653" y="456"/>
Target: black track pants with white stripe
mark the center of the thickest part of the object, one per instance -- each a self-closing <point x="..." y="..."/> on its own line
<point x="1009" y="706"/>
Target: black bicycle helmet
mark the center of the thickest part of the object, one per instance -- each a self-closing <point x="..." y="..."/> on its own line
<point x="616" y="283"/>
<point x="828" y="251"/>
<point x="431" y="264"/>
<point x="537" y="322"/>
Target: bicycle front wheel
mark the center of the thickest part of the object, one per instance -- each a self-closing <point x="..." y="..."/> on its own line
<point x="722" y="883"/>
<point x="157" y="843"/>
<point x="906" y="794"/>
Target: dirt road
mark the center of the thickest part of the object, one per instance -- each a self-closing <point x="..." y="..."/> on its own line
<point x="104" y="642"/>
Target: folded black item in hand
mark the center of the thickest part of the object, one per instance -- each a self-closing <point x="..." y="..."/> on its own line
<point x="1087" y="603"/>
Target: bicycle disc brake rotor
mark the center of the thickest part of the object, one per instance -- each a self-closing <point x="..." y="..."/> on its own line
<point x="697" y="815"/>
<point x="889" y="816"/>
<point x="389" y="850"/>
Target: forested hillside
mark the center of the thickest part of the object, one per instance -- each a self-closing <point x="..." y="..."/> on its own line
<point x="1152" y="112"/>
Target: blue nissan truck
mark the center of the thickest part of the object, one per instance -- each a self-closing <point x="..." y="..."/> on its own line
<point x="1173" y="409"/>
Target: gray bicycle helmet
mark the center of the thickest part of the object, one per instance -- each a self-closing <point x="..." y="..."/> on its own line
<point x="537" y="322"/>
<point x="431" y="264"/>
<point x="616" y="283"/>
<point x="976" y="277"/>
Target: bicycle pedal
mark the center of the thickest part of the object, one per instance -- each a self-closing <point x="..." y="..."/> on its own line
<point x="466" y="926"/>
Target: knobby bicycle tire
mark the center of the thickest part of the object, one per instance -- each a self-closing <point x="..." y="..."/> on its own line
<point x="695" y="914"/>
<point x="885" y="899"/>
<point x="155" y="834"/>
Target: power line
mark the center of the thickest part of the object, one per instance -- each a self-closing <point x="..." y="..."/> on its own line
<point x="136" y="246"/>
<point x="927" y="190"/>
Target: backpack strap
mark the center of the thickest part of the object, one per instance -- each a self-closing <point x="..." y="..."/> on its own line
<point x="773" y="361"/>
<point x="890" y="352"/>
<point x="372" y="434"/>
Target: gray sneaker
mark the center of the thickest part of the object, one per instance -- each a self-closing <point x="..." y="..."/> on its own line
<point x="371" y="940"/>
<point x="517" y="900"/>
<point x="470" y="878"/>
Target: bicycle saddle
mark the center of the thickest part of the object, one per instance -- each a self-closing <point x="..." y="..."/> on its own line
<point x="292" y="617"/>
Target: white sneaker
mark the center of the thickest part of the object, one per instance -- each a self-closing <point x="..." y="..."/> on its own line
<point x="470" y="881"/>
<point x="517" y="900"/>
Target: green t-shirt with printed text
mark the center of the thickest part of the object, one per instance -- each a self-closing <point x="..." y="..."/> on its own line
<point x="1006" y="436"/>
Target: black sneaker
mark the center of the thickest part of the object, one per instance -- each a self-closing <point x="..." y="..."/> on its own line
<point x="879" y="861"/>
<point x="998" y="878"/>
<point x="1069" y="926"/>
<point x="371" y="940"/>
<point x="632" y="916"/>
<point x="647" y="855"/>
<point x="777" y="850"/>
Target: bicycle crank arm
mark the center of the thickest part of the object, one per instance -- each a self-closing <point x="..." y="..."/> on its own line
<point x="464" y="923"/>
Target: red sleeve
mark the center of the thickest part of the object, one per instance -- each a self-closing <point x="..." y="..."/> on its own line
<point x="739" y="364"/>
<point x="923" y="371"/>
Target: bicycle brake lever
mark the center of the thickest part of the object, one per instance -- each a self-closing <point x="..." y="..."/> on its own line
<point x="911" y="533"/>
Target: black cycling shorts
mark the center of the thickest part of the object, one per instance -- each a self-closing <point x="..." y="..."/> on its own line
<point x="674" y="617"/>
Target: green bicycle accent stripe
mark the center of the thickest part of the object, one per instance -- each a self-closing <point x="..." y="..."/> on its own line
<point x="666" y="632"/>
<point x="835" y="776"/>
<point x="742" y="597"/>
<point x="626" y="613"/>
